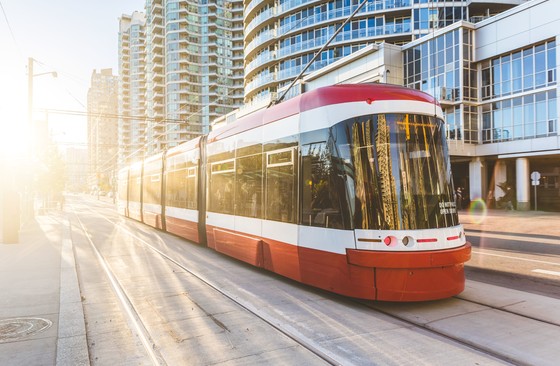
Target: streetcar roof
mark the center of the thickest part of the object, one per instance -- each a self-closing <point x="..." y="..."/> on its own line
<point x="329" y="95"/>
<point x="185" y="146"/>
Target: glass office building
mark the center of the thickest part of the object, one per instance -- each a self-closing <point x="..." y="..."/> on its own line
<point x="496" y="81"/>
<point x="497" y="84"/>
<point x="282" y="36"/>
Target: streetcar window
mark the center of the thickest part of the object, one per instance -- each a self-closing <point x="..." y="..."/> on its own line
<point x="152" y="183"/>
<point x="181" y="181"/>
<point x="248" y="186"/>
<point x="397" y="174"/>
<point x="135" y="185"/>
<point x="320" y="196"/>
<point x="221" y="190"/>
<point x="191" y="188"/>
<point x="223" y="167"/>
<point x="279" y="158"/>
<point x="281" y="178"/>
<point x="123" y="186"/>
<point x="175" y="194"/>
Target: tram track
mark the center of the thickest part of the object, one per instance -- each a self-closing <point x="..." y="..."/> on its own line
<point x="507" y="311"/>
<point x="474" y="346"/>
<point x="125" y="301"/>
<point x="326" y="355"/>
<point x="151" y="346"/>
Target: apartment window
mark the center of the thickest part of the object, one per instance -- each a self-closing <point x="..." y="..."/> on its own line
<point x="527" y="117"/>
<point x="529" y="69"/>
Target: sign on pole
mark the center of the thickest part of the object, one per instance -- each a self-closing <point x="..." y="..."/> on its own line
<point x="535" y="176"/>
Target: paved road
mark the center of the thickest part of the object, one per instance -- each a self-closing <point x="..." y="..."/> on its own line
<point x="258" y="317"/>
<point x="519" y="250"/>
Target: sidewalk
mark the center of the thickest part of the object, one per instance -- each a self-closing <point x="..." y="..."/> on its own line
<point x="512" y="222"/>
<point x="41" y="316"/>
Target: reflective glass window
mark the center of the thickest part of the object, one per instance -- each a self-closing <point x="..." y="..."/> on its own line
<point x="397" y="172"/>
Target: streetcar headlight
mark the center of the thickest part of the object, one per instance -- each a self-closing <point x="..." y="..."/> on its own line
<point x="408" y="241"/>
<point x="390" y="241"/>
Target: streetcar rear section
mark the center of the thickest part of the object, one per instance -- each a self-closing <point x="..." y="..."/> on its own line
<point x="183" y="205"/>
<point x="152" y="194"/>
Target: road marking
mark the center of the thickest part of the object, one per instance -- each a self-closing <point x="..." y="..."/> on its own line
<point x="512" y="237"/>
<point x="518" y="258"/>
<point x="544" y="271"/>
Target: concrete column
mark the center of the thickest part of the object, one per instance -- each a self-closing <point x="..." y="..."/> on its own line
<point x="500" y="176"/>
<point x="522" y="184"/>
<point x="477" y="179"/>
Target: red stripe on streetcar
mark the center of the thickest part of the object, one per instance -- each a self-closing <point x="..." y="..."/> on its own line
<point x="453" y="237"/>
<point x="370" y="240"/>
<point x="432" y="240"/>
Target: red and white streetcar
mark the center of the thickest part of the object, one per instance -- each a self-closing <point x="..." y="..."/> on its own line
<point x="346" y="188"/>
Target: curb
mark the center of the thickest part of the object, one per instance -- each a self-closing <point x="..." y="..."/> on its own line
<point x="71" y="348"/>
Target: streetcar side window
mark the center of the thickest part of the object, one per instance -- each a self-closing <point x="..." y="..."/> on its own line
<point x="123" y="186"/>
<point x="280" y="159"/>
<point x="281" y="185"/>
<point x="248" y="186"/>
<point x="222" y="175"/>
<point x="152" y="182"/>
<point x="175" y="194"/>
<point x="192" y="188"/>
<point x="249" y="174"/>
<point x="181" y="180"/>
<point x="135" y="184"/>
<point x="320" y="200"/>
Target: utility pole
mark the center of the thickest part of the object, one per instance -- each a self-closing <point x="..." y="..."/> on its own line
<point x="30" y="93"/>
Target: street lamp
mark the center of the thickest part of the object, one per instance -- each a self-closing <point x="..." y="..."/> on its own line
<point x="30" y="77"/>
<point x="28" y="204"/>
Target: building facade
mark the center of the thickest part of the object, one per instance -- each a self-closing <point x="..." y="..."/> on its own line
<point x="181" y="67"/>
<point x="516" y="56"/>
<point x="78" y="172"/>
<point x="132" y="88"/>
<point x="154" y="99"/>
<point x="203" y="59"/>
<point x="282" y="36"/>
<point x="497" y="82"/>
<point x="102" y="122"/>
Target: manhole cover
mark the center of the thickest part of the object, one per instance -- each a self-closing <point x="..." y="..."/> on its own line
<point x="16" y="328"/>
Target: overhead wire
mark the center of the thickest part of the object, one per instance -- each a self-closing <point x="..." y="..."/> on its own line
<point x="166" y="121"/>
<point x="10" y="29"/>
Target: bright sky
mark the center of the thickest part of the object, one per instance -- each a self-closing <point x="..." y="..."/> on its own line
<point x="71" y="37"/>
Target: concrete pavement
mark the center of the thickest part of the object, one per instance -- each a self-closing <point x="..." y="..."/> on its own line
<point x="41" y="315"/>
<point x="512" y="222"/>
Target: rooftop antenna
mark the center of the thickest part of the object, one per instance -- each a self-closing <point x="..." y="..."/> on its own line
<point x="278" y="100"/>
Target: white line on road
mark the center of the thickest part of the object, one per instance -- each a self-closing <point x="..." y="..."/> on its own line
<point x="544" y="271"/>
<point x="485" y="235"/>
<point x="517" y="258"/>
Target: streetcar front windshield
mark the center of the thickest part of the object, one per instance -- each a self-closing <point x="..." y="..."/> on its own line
<point x="397" y="171"/>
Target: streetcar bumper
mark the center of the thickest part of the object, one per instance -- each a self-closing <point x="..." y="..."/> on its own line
<point x="414" y="276"/>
